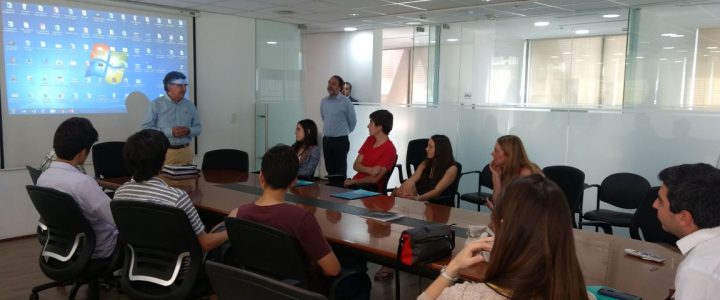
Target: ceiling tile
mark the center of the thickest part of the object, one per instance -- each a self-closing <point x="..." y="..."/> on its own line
<point x="243" y="5"/>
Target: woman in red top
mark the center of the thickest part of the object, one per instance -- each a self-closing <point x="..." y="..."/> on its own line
<point x="377" y="155"/>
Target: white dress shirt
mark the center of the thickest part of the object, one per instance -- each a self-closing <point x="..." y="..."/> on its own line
<point x="698" y="276"/>
<point x="94" y="203"/>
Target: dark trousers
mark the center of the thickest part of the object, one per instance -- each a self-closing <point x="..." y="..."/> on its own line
<point x="335" y="150"/>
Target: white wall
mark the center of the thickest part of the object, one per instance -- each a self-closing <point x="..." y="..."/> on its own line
<point x="225" y="86"/>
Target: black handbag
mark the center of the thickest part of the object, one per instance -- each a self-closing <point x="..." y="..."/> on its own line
<point x="425" y="244"/>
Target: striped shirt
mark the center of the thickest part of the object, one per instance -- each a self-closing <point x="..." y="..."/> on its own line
<point x="157" y="191"/>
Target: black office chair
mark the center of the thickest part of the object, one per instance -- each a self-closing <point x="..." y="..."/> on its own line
<point x="66" y="254"/>
<point x="624" y="190"/>
<point x="572" y="182"/>
<point x="108" y="161"/>
<point x="450" y="194"/>
<point x="226" y="159"/>
<point x="384" y="185"/>
<point x="249" y="245"/>
<point x="34" y="173"/>
<point x="232" y="283"/>
<point x="159" y="263"/>
<point x="414" y="156"/>
<point x="484" y="180"/>
<point x="645" y="220"/>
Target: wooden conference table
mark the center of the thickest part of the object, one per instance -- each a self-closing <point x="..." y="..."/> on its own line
<point x="602" y="257"/>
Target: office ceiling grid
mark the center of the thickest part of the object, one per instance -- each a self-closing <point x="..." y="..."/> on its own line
<point x="334" y="15"/>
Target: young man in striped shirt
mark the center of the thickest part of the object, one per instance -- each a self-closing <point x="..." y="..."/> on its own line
<point x="144" y="154"/>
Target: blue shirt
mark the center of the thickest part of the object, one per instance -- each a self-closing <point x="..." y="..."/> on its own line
<point x="164" y="114"/>
<point x="338" y="115"/>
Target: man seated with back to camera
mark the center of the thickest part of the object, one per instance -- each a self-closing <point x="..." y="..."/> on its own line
<point x="278" y="172"/>
<point x="72" y="143"/>
<point x="144" y="155"/>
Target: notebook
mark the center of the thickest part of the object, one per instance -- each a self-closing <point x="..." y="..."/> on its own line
<point x="356" y="194"/>
<point x="383" y="216"/>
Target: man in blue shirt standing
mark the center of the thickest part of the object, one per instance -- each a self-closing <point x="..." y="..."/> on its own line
<point x="176" y="117"/>
<point x="339" y="120"/>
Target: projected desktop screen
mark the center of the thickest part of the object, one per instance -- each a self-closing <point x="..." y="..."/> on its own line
<point x="62" y="59"/>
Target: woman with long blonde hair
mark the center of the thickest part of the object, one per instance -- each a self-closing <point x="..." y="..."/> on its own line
<point x="509" y="162"/>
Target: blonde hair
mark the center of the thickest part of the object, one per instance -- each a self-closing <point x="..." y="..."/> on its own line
<point x="517" y="158"/>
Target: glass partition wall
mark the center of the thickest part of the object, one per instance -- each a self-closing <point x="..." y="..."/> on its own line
<point x="602" y="88"/>
<point x="278" y="67"/>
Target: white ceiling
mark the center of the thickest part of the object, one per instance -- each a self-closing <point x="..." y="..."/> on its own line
<point x="334" y="15"/>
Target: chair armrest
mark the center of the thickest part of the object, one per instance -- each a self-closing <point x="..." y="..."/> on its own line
<point x="400" y="173"/>
<point x="587" y="186"/>
<point x="470" y="172"/>
<point x="606" y="227"/>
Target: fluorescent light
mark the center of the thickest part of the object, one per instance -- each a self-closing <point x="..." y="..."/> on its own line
<point x="452" y="40"/>
<point x="271" y="42"/>
<point x="669" y="48"/>
<point x="350" y="29"/>
<point x="582" y="31"/>
<point x="711" y="47"/>
<point x="541" y="23"/>
<point x="354" y="14"/>
<point x="639" y="57"/>
<point x="670" y="34"/>
<point x="610" y="16"/>
<point x="412" y="23"/>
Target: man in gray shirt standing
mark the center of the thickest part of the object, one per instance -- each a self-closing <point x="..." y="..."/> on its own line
<point x="339" y="120"/>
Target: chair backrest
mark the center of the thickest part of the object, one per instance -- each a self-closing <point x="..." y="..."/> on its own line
<point x="233" y="283"/>
<point x="572" y="181"/>
<point x="108" y="161"/>
<point x="159" y="263"/>
<point x="415" y="155"/>
<point x="34" y="173"/>
<point x="624" y="190"/>
<point x="268" y="251"/>
<point x="645" y="220"/>
<point x="226" y="159"/>
<point x="70" y="239"/>
<point x="485" y="178"/>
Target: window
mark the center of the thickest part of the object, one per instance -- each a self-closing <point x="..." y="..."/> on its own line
<point x="586" y="71"/>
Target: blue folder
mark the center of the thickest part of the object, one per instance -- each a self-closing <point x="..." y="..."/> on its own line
<point x="300" y="183"/>
<point x="356" y="194"/>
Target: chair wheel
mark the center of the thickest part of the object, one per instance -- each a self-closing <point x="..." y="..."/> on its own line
<point x="34" y="296"/>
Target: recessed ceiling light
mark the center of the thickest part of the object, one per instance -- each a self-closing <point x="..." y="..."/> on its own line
<point x="354" y="14"/>
<point x="350" y="29"/>
<point x="412" y="23"/>
<point x="711" y="47"/>
<point x="715" y="51"/>
<point x="669" y="48"/>
<point x="553" y="56"/>
<point x="610" y="16"/>
<point x="541" y="23"/>
<point x="567" y="53"/>
<point x="663" y="59"/>
<point x="271" y="42"/>
<point x="582" y="31"/>
<point x="639" y="57"/>
<point x="452" y="40"/>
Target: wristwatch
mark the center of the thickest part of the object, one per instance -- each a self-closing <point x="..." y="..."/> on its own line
<point x="444" y="274"/>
